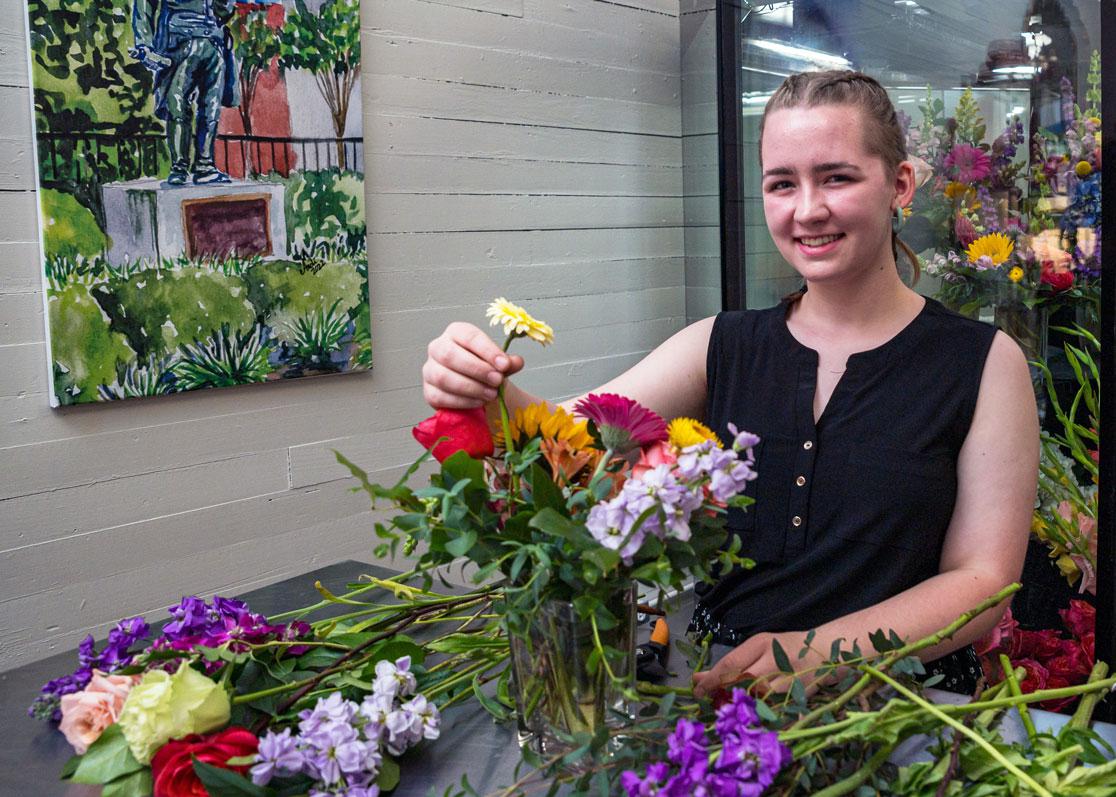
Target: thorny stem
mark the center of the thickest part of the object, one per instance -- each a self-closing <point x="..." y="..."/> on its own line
<point x="989" y="748"/>
<point x="907" y="650"/>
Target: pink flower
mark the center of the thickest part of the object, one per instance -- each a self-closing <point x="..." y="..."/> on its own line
<point x="86" y="714"/>
<point x="651" y="457"/>
<point x="964" y="229"/>
<point x="1080" y="618"/>
<point x="999" y="638"/>
<point x="970" y="163"/>
<point x="622" y="424"/>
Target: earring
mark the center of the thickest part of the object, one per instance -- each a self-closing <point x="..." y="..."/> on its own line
<point x="898" y="219"/>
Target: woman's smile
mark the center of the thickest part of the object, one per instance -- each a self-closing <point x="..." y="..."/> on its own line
<point x="816" y="245"/>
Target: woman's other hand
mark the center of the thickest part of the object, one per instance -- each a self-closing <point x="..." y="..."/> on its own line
<point x="753" y="660"/>
<point x="464" y="367"/>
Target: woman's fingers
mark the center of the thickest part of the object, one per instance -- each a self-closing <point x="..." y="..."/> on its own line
<point x="464" y="367"/>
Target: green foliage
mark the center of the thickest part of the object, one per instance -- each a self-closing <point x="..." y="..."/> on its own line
<point x="970" y="123"/>
<point x="225" y="359"/>
<point x="83" y="75"/>
<point x="256" y="45"/>
<point x="1093" y="93"/>
<point x="69" y="229"/>
<point x="107" y="759"/>
<point x="327" y="45"/>
<point x="153" y="378"/>
<point x="160" y="310"/>
<point x="314" y="337"/>
<point x="282" y="292"/>
<point x="322" y="205"/>
<point x="83" y="346"/>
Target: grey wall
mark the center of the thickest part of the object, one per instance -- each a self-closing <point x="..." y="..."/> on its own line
<point x="526" y="148"/>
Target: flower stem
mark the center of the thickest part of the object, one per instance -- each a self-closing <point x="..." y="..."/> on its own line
<point x="1013" y="687"/>
<point x="988" y="747"/>
<point x="862" y="774"/>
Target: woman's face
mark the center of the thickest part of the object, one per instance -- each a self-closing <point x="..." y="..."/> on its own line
<point x="828" y="201"/>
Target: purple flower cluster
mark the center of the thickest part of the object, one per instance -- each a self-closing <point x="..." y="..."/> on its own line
<point x="196" y="623"/>
<point x="669" y="494"/>
<point x="114" y="656"/>
<point x="749" y="759"/>
<point x="340" y="743"/>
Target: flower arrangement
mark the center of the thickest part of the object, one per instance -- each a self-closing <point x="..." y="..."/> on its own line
<point x="998" y="240"/>
<point x="571" y="509"/>
<point x="209" y="705"/>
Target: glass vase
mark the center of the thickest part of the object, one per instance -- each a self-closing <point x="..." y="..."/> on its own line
<point x="561" y="685"/>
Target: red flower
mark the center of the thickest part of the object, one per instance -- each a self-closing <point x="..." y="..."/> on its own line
<point x="172" y="768"/>
<point x="1080" y="618"/>
<point x="1058" y="280"/>
<point x="1035" y="678"/>
<point x="467" y="431"/>
<point x="1040" y="645"/>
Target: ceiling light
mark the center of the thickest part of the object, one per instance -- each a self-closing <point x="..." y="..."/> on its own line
<point x="1021" y="71"/>
<point x="800" y="53"/>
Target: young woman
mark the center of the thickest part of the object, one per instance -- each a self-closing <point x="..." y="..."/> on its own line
<point x="899" y="441"/>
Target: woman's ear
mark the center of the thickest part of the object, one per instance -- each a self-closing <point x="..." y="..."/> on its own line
<point x="905" y="184"/>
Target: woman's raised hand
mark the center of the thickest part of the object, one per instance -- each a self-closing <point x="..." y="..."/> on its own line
<point x="464" y="367"/>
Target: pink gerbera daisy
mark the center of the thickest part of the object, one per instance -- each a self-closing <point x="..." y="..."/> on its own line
<point x="971" y="164"/>
<point x="622" y="423"/>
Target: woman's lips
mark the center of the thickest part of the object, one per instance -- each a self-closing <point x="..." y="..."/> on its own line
<point x="818" y="244"/>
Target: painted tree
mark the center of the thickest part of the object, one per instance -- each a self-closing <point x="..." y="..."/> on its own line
<point x="327" y="45"/>
<point x="256" y="45"/>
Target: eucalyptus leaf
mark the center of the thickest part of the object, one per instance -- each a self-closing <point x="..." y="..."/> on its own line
<point x="227" y="783"/>
<point x="780" y="655"/>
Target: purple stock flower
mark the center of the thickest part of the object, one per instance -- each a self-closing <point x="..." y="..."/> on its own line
<point x="394" y="679"/>
<point x="738" y="713"/>
<point x="278" y="755"/>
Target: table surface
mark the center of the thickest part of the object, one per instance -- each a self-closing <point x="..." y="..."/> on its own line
<point x="471" y="743"/>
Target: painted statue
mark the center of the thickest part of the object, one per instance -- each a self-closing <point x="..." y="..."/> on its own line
<point x="188" y="47"/>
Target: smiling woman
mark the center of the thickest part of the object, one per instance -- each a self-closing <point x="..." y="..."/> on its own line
<point x="863" y="393"/>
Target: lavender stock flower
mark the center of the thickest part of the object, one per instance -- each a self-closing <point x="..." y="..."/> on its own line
<point x="278" y="755"/>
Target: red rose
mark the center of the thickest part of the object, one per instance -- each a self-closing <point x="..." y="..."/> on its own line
<point x="467" y="431"/>
<point x="1080" y="618"/>
<point x="1038" y="645"/>
<point x="1073" y="667"/>
<point x="1058" y="280"/>
<point x="1034" y="680"/>
<point x="1089" y="647"/>
<point x="172" y="768"/>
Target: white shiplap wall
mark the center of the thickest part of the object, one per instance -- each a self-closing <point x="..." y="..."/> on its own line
<point x="531" y="148"/>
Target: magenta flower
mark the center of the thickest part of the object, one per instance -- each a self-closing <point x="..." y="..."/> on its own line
<point x="622" y="424"/>
<point x="971" y="164"/>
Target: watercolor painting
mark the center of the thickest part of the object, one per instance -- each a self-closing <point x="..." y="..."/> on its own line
<point x="201" y="191"/>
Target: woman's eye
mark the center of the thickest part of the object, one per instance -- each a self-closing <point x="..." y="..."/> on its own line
<point x="778" y="185"/>
<point x="837" y="178"/>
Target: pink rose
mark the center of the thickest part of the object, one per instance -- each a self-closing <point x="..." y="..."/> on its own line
<point x="653" y="456"/>
<point x="87" y="713"/>
<point x="999" y="638"/>
<point x="1080" y="618"/>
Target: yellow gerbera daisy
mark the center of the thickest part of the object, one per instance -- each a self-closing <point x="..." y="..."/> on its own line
<point x="683" y="432"/>
<point x="1016" y="274"/>
<point x="955" y="190"/>
<point x="517" y="321"/>
<point x="538" y="420"/>
<point x="995" y="245"/>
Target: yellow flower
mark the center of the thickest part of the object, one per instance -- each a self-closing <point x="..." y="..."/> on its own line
<point x="1016" y="274"/>
<point x="1068" y="568"/>
<point x="517" y="321"/>
<point x="685" y="432"/>
<point x="537" y="420"/>
<point x="995" y="245"/>
<point x="955" y="190"/>
<point x="1083" y="169"/>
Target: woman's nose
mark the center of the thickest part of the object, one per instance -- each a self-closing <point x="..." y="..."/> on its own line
<point x="810" y="207"/>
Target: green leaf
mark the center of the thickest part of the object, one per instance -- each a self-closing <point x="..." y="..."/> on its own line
<point x="106" y="759"/>
<point x="226" y="783"/>
<point x="498" y="712"/>
<point x="781" y="660"/>
<point x="462" y="544"/>
<point x="388" y="778"/>
<point x="138" y="784"/>
<point x="550" y="521"/>
<point x="604" y="558"/>
<point x="544" y="492"/>
<point x="70" y="766"/>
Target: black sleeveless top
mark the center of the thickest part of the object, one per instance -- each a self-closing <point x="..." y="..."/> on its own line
<point x="854" y="509"/>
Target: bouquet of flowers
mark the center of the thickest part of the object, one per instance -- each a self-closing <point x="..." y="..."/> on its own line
<point x="224" y="702"/>
<point x="569" y="511"/>
<point x="997" y="246"/>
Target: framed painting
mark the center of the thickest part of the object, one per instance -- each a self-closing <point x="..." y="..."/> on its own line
<point x="201" y="193"/>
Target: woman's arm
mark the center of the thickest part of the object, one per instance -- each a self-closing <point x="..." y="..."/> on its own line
<point x="997" y="473"/>
<point x="464" y="367"/>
